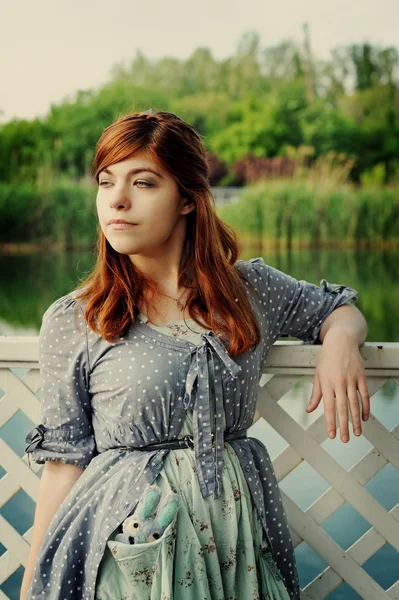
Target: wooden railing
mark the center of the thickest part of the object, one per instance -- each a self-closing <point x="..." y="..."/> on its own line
<point x="288" y="364"/>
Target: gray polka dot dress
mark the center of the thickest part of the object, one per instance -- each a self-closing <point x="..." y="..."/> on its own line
<point x="230" y="537"/>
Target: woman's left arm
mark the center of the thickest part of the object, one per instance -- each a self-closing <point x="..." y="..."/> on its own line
<point x="340" y="371"/>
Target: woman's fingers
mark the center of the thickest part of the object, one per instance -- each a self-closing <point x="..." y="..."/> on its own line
<point x="340" y="404"/>
<point x="355" y="409"/>
<point x="362" y="385"/>
<point x="338" y="379"/>
<point x="342" y="407"/>
<point x="316" y="394"/>
<point x="330" y="412"/>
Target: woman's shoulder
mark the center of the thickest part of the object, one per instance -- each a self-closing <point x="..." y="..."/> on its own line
<point x="252" y="264"/>
<point x="65" y="314"/>
<point x="253" y="269"/>
<point x="63" y="303"/>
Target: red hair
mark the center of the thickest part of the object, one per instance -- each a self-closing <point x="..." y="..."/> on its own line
<point x="115" y="286"/>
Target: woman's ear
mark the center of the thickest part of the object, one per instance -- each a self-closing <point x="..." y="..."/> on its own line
<point x="187" y="207"/>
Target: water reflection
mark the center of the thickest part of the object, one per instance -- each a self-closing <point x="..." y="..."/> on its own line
<point x="30" y="283"/>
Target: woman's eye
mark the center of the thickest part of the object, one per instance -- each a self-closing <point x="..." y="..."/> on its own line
<point x="146" y="184"/>
<point x="139" y="183"/>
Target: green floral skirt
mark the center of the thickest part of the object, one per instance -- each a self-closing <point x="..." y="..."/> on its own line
<point x="210" y="551"/>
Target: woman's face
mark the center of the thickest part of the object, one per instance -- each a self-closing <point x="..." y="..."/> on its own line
<point x="128" y="191"/>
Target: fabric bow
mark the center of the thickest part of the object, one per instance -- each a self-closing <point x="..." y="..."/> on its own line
<point x="201" y="375"/>
<point x="336" y="287"/>
<point x="34" y="438"/>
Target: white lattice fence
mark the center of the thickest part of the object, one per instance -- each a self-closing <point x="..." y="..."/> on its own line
<point x="19" y="394"/>
<point x="288" y="362"/>
<point x="382" y="363"/>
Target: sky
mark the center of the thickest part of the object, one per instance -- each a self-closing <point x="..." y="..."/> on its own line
<point x="50" y="49"/>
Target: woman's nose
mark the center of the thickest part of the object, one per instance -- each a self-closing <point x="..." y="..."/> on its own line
<point x="120" y="198"/>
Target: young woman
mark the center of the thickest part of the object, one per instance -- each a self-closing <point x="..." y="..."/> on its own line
<point x="150" y="370"/>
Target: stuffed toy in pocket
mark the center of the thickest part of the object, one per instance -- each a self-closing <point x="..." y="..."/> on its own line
<point x="150" y="518"/>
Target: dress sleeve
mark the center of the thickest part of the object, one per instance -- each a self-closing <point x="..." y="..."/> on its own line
<point x="65" y="433"/>
<point x="291" y="307"/>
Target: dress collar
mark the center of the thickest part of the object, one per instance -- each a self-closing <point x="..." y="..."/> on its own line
<point x="140" y="328"/>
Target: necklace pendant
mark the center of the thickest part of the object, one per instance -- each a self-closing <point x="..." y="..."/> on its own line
<point x="179" y="305"/>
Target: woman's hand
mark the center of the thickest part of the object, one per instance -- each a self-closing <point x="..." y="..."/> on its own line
<point x="339" y="374"/>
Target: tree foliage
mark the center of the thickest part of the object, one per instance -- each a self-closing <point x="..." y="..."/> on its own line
<point x="255" y="103"/>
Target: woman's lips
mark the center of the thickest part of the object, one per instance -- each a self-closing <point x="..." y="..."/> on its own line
<point x="122" y="225"/>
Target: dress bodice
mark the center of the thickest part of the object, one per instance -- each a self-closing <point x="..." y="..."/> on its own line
<point x="189" y="330"/>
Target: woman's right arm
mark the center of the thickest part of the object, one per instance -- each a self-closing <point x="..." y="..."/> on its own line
<point x="55" y="483"/>
<point x="64" y="441"/>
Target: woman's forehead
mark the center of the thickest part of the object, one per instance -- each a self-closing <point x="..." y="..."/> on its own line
<point x="133" y="165"/>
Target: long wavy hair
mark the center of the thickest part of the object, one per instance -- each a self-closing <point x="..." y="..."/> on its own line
<point x="217" y="293"/>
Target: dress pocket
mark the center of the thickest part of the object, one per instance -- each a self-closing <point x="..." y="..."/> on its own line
<point x="148" y="567"/>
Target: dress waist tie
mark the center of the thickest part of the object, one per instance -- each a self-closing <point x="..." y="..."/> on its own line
<point x="185" y="442"/>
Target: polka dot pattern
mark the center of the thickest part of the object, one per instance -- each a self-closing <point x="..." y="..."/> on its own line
<point x="143" y="389"/>
<point x="288" y="307"/>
